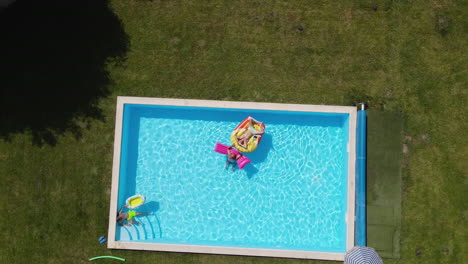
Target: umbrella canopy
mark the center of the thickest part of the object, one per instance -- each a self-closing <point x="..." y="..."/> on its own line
<point x="362" y="255"/>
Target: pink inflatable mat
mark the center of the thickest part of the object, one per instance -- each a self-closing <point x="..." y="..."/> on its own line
<point x="241" y="162"/>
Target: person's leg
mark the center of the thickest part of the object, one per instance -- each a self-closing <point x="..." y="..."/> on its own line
<point x="137" y="214"/>
<point x="240" y="140"/>
<point x="247" y="135"/>
<point x="242" y="143"/>
<point x="143" y="214"/>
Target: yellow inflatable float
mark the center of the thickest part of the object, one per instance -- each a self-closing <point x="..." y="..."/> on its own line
<point x="247" y="135"/>
<point x="135" y="201"/>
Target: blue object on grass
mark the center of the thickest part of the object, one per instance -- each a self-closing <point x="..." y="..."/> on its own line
<point x="102" y="239"/>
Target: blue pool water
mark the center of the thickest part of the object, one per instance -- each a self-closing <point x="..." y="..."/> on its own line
<point x="292" y="196"/>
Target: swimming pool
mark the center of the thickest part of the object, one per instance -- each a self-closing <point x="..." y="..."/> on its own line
<point x="295" y="199"/>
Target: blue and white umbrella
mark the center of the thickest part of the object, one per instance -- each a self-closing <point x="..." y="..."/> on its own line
<point x="362" y="255"/>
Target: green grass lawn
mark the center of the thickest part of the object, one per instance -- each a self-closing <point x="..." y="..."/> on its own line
<point x="65" y="64"/>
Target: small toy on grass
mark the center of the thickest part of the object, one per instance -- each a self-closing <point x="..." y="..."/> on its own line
<point x="102" y="239"/>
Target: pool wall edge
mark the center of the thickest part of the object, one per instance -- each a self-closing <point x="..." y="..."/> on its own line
<point x="230" y="251"/>
<point x="350" y="215"/>
<point x="236" y="105"/>
<point x="115" y="172"/>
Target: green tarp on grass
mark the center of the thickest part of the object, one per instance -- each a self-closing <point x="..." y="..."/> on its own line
<point x="384" y="159"/>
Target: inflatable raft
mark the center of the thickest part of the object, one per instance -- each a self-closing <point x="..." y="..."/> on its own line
<point x="241" y="129"/>
<point x="222" y="149"/>
<point x="135" y="201"/>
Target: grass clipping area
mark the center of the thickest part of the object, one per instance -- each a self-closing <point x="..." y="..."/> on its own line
<point x="66" y="63"/>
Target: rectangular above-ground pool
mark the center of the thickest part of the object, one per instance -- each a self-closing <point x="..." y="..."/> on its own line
<point x="294" y="199"/>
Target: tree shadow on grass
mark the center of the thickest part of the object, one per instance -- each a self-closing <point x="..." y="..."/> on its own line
<point x="53" y="66"/>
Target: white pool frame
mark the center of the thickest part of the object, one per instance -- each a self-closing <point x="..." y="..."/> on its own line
<point x="122" y="100"/>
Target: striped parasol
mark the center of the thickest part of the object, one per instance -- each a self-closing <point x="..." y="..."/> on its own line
<point x="362" y="255"/>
